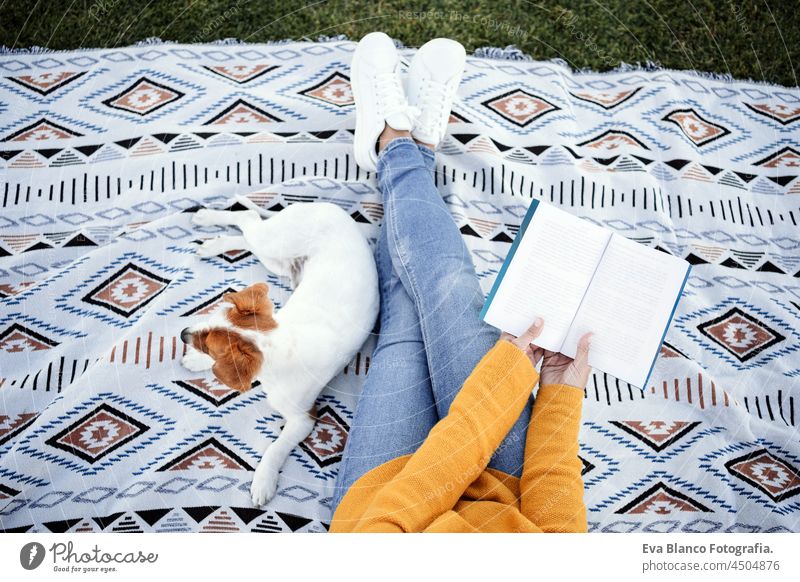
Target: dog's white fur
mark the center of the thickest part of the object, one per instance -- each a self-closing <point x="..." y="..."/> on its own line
<point x="325" y="321"/>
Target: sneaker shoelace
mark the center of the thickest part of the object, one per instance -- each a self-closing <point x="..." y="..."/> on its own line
<point x="391" y="97"/>
<point x="434" y="97"/>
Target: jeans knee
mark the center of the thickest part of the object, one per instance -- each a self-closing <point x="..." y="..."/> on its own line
<point x="455" y="279"/>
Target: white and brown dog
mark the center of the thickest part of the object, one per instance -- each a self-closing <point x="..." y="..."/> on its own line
<point x="295" y="351"/>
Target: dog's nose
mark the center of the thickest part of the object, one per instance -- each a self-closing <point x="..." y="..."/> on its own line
<point x="186" y="335"/>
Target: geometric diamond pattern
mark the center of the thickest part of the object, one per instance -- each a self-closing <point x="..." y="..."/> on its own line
<point x="242" y="112"/>
<point x="143" y="97"/>
<point x="657" y="434"/>
<point x="127" y="290"/>
<point x="209" y="390"/>
<point x="699" y="130"/>
<point x="670" y="351"/>
<point x="767" y="473"/>
<point x="606" y="99"/>
<point x="242" y="73"/>
<point x="121" y="306"/>
<point x="234" y="256"/>
<point x="17" y="338"/>
<point x="42" y="130"/>
<point x="210" y="454"/>
<point x="519" y="107"/>
<point x="98" y="433"/>
<point x="46" y="82"/>
<point x="327" y="439"/>
<point x="780" y="112"/>
<point x="335" y="90"/>
<point x="785" y="158"/>
<point x="611" y="140"/>
<point x="741" y="334"/>
<point x="12" y="425"/>
<point x="662" y="500"/>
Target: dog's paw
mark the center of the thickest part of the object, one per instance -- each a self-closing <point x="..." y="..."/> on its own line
<point x="210" y="248"/>
<point x="203" y="217"/>
<point x="265" y="484"/>
<point x="195" y="361"/>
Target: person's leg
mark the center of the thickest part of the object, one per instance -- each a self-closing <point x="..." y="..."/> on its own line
<point x="436" y="269"/>
<point x="396" y="410"/>
<point x="429" y="157"/>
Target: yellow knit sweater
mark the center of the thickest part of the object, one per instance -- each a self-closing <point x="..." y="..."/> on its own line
<point x="446" y="486"/>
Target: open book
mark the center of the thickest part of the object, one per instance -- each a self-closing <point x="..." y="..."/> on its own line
<point x="580" y="277"/>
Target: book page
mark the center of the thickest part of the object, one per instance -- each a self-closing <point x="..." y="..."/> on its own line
<point x="548" y="275"/>
<point x="628" y="306"/>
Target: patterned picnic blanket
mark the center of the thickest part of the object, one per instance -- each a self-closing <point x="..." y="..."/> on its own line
<point x="103" y="152"/>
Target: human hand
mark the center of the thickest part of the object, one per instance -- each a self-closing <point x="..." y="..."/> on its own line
<point x="523" y="342"/>
<point x="560" y="369"/>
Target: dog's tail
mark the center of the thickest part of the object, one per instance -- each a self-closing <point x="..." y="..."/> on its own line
<point x="249" y="204"/>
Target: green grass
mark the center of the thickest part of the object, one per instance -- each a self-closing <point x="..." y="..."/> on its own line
<point x="754" y="39"/>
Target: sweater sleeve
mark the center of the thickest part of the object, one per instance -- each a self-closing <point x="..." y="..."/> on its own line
<point x="551" y="485"/>
<point x="459" y="447"/>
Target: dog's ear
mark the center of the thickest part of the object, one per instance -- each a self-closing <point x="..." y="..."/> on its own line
<point x="253" y="299"/>
<point x="237" y="360"/>
<point x="252" y="308"/>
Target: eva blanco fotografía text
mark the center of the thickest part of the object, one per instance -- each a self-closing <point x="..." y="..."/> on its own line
<point x="716" y="549"/>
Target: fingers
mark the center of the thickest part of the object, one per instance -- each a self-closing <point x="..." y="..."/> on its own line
<point x="531" y="333"/>
<point x="524" y="341"/>
<point x="581" y="369"/>
<point x="582" y="354"/>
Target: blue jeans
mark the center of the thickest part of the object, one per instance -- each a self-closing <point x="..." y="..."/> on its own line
<point x="431" y="335"/>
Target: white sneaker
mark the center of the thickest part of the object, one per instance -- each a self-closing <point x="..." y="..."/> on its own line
<point x="433" y="79"/>
<point x="378" y="95"/>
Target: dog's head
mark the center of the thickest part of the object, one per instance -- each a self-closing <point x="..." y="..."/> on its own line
<point x="228" y="336"/>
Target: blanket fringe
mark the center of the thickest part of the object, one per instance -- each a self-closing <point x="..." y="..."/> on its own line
<point x="512" y="53"/>
<point x="155" y="41"/>
<point x="509" y="53"/>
